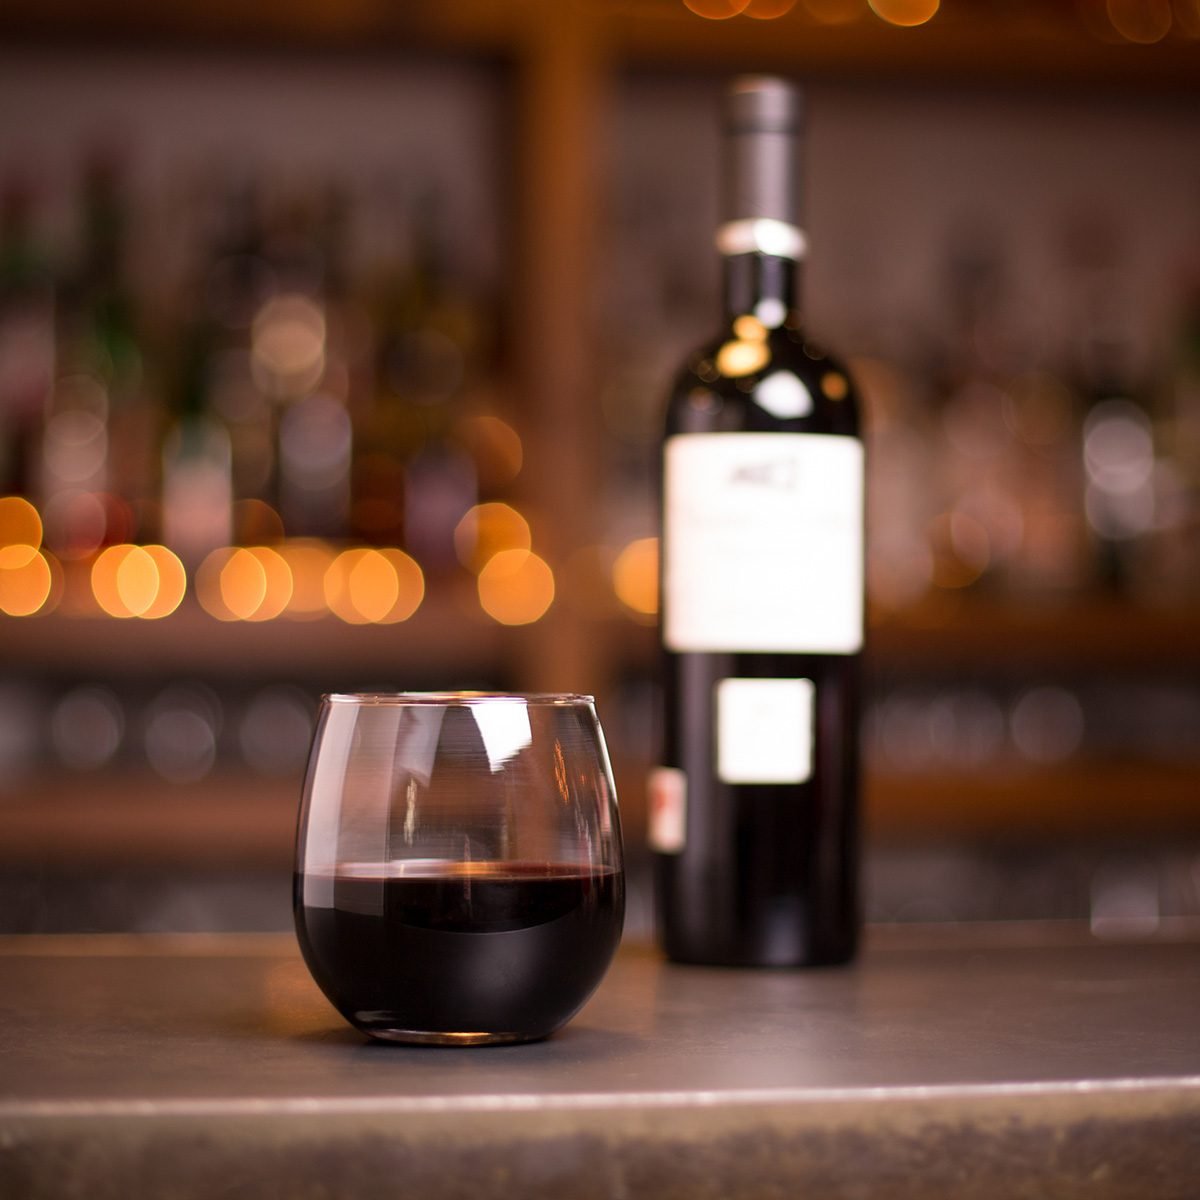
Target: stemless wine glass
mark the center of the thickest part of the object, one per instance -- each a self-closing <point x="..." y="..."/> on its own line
<point x="459" y="876"/>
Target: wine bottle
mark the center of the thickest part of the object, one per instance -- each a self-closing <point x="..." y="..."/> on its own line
<point x="753" y="812"/>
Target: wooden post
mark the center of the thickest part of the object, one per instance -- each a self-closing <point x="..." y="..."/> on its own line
<point x="562" y="100"/>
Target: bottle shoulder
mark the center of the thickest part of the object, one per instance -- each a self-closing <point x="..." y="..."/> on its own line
<point x="752" y="378"/>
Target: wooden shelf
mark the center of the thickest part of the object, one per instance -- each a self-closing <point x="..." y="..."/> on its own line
<point x="1090" y="635"/>
<point x="230" y="821"/>
<point x="236" y="821"/>
<point x="448" y="639"/>
<point x="1098" y="800"/>
<point x="969" y="633"/>
<point x="441" y="641"/>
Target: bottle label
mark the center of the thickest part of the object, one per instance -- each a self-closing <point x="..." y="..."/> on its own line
<point x="763" y="543"/>
<point x="667" y="816"/>
<point x="764" y="730"/>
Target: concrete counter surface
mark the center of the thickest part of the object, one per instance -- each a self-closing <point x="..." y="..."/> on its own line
<point x="1000" y="1061"/>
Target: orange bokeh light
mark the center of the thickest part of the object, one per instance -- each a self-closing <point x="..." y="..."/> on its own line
<point x="516" y="587"/>
<point x="1141" y="21"/>
<point x="905" y="12"/>
<point x="172" y="583"/>
<point x="494" y="445"/>
<point x="308" y="560"/>
<point x="124" y="581"/>
<point x="486" y="529"/>
<point x="20" y="532"/>
<point x="244" y="584"/>
<point x="277" y="577"/>
<point x="635" y="577"/>
<point x="768" y="10"/>
<point x="138" y="581"/>
<point x="410" y="586"/>
<point x="716" y="10"/>
<point x="366" y="587"/>
<point x="26" y="588"/>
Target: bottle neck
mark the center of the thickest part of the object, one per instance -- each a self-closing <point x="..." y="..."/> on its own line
<point x="763" y="285"/>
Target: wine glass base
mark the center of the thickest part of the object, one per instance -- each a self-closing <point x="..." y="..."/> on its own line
<point x="422" y="1037"/>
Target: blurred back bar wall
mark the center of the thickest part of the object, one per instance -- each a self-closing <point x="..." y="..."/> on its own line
<point x="332" y="356"/>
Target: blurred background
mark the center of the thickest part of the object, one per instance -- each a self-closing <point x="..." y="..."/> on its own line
<point x="334" y="341"/>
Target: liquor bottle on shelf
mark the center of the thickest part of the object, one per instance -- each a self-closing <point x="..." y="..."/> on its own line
<point x="197" y="466"/>
<point x="99" y="470"/>
<point x="27" y="339"/>
<point x="753" y="812"/>
<point x="1117" y="437"/>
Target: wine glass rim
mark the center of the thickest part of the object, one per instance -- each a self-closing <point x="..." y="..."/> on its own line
<point x="445" y="699"/>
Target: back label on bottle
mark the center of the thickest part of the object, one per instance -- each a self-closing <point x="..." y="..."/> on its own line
<point x="763" y="543"/>
<point x="764" y="730"/>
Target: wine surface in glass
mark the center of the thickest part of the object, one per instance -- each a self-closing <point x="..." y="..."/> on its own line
<point x="459" y="951"/>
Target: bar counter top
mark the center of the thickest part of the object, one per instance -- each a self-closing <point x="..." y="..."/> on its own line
<point x="959" y="1062"/>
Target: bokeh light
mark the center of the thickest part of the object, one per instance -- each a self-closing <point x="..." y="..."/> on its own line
<point x="308" y="559"/>
<point x="961" y="550"/>
<point x="138" y="581"/>
<point x="86" y="727"/>
<point x="76" y="523"/>
<point x="124" y="581"/>
<point x="172" y="583"/>
<point x="26" y="589"/>
<point x="768" y="10"/>
<point x="485" y="530"/>
<point x="181" y="729"/>
<point x="277" y="577"/>
<point x="232" y="584"/>
<point x="1141" y="21"/>
<point x="1047" y="724"/>
<point x="256" y="522"/>
<point x="365" y="586"/>
<point x="905" y="12"/>
<point x="494" y="445"/>
<point x="20" y="532"/>
<point x="516" y="587"/>
<point x="635" y="577"/>
<point x="288" y="339"/>
<point x="716" y="10"/>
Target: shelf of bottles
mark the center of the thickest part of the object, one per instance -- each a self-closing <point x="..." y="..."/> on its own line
<point x="258" y="470"/>
<point x="241" y="465"/>
<point x="269" y="436"/>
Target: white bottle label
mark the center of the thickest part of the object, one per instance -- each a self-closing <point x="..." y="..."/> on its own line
<point x="764" y="730"/>
<point x="763" y="543"/>
<point x="667" y="817"/>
